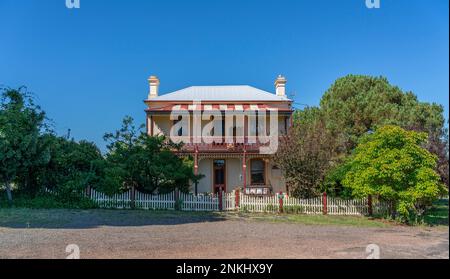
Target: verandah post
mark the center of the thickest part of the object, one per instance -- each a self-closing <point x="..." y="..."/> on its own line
<point x="244" y="168"/>
<point x="324" y="202"/>
<point x="196" y="168"/>
<point x="369" y="203"/>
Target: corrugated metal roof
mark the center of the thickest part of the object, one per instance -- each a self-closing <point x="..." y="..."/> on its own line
<point x="220" y="93"/>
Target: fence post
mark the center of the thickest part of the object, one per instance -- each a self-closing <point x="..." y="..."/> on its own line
<point x="280" y="201"/>
<point x="369" y="203"/>
<point x="177" y="199"/>
<point x="236" y="198"/>
<point x="88" y="191"/>
<point x="324" y="202"/>
<point x="132" y="197"/>
<point x="220" y="200"/>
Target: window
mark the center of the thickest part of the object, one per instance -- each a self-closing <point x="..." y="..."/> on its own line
<point x="258" y="172"/>
<point x="180" y="131"/>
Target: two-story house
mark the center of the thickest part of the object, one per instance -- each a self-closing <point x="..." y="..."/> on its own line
<point x="225" y="129"/>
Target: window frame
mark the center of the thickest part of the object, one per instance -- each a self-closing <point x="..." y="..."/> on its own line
<point x="263" y="171"/>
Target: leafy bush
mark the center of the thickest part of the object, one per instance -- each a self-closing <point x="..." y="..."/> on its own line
<point x="47" y="200"/>
<point x="392" y="164"/>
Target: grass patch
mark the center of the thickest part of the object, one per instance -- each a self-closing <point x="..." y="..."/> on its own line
<point x="437" y="215"/>
<point x="331" y="220"/>
<point x="75" y="218"/>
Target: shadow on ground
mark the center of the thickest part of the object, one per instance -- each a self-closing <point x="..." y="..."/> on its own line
<point x="84" y="219"/>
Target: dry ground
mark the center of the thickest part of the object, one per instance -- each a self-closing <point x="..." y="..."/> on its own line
<point x="28" y="233"/>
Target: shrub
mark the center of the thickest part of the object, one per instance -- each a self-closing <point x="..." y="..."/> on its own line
<point x="392" y="164"/>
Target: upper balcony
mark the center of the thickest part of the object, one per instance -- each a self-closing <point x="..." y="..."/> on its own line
<point x="208" y="145"/>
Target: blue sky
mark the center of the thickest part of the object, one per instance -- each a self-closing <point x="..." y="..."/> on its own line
<point x="88" y="67"/>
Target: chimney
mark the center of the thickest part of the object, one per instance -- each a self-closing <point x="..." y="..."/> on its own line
<point x="154" y="85"/>
<point x="280" y="86"/>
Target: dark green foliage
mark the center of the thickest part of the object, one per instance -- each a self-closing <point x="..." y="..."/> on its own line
<point x="47" y="200"/>
<point x="72" y="167"/>
<point x="332" y="183"/>
<point x="147" y="163"/>
<point x="21" y="147"/>
<point x="354" y="106"/>
<point x="34" y="161"/>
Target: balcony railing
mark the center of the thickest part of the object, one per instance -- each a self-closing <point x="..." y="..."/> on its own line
<point x="220" y="145"/>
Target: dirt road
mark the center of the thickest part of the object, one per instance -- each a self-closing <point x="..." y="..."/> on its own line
<point x="211" y="237"/>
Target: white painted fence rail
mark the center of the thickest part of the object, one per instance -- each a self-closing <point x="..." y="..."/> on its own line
<point x="302" y="206"/>
<point x="115" y="201"/>
<point x="259" y="203"/>
<point x="202" y="202"/>
<point x="228" y="202"/>
<point x="149" y="201"/>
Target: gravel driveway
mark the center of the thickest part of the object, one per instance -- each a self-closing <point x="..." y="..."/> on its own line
<point x="211" y="237"/>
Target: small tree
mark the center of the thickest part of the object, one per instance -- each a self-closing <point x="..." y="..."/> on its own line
<point x="392" y="164"/>
<point x="305" y="153"/>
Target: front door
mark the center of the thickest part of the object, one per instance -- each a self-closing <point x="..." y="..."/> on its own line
<point x="219" y="176"/>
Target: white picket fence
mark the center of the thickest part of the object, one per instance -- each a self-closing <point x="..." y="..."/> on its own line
<point x="149" y="201"/>
<point x="202" y="202"/>
<point x="304" y="206"/>
<point x="336" y="206"/>
<point x="258" y="203"/>
<point x="227" y="202"/>
<point x="118" y="201"/>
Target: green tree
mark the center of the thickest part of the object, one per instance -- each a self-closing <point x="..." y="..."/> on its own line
<point x="145" y="162"/>
<point x="392" y="164"/>
<point x="21" y="123"/>
<point x="72" y="167"/>
<point x="355" y="105"/>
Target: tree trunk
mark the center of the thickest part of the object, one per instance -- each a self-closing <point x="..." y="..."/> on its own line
<point x="8" y="192"/>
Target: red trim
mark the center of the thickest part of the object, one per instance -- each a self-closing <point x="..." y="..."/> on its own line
<point x="244" y="169"/>
<point x="280" y="201"/>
